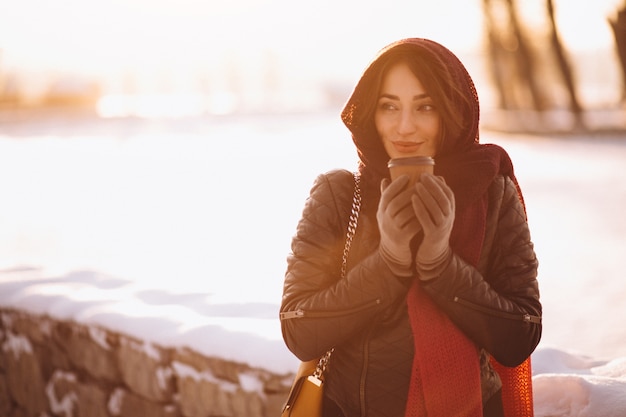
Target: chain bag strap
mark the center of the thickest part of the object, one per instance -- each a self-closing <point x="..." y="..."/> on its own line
<point x="352" y="224"/>
<point x="306" y="395"/>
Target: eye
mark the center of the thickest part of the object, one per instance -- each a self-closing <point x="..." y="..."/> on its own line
<point x="426" y="107"/>
<point x="387" y="106"/>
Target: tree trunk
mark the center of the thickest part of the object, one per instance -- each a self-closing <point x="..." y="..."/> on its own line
<point x="496" y="58"/>
<point x="564" y="67"/>
<point x="619" y="32"/>
<point x="526" y="60"/>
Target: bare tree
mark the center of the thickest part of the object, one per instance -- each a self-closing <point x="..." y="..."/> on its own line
<point x="522" y="63"/>
<point x="564" y="66"/>
<point x="513" y="62"/>
<point x="496" y="54"/>
<point x="525" y="58"/>
<point x="618" y="24"/>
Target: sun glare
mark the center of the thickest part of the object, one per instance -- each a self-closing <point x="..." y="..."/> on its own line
<point x="187" y="56"/>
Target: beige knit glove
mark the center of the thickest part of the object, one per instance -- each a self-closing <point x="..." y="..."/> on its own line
<point x="397" y="225"/>
<point x="433" y="205"/>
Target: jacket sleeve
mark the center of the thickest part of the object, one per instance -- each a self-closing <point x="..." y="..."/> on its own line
<point x="500" y="309"/>
<point x="319" y="310"/>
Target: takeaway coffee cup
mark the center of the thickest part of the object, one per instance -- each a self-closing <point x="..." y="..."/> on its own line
<point x="412" y="166"/>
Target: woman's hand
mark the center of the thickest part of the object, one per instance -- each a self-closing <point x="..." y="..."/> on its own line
<point x="397" y="224"/>
<point x="433" y="205"/>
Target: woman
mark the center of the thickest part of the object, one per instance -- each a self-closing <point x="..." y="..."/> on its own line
<point x="441" y="276"/>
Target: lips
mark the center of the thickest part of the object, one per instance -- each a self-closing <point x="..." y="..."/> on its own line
<point x="406" y="146"/>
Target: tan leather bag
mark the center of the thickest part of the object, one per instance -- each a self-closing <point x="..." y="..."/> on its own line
<point x="307" y="393"/>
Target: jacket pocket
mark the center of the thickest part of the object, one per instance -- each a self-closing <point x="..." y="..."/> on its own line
<point x="528" y="318"/>
<point x="300" y="313"/>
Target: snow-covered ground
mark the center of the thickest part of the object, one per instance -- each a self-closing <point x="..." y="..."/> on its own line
<point x="177" y="232"/>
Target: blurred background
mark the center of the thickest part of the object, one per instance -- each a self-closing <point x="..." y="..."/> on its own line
<point x="172" y="143"/>
<point x="180" y="58"/>
<point x="118" y="118"/>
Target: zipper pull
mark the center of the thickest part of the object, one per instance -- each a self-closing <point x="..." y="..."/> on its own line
<point x="532" y="319"/>
<point x="287" y="315"/>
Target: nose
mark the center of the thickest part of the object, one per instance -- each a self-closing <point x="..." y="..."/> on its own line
<point x="406" y="123"/>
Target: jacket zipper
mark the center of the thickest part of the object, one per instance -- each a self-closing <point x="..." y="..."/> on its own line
<point x="528" y="318"/>
<point x="363" y="379"/>
<point x="300" y="313"/>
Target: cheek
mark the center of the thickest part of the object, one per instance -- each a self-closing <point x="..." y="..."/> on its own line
<point x="382" y="125"/>
<point x="434" y="127"/>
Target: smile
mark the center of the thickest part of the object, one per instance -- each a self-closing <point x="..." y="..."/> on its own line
<point x="406" y="146"/>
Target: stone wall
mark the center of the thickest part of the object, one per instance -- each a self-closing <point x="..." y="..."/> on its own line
<point x="52" y="368"/>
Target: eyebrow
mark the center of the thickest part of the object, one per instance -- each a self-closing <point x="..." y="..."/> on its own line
<point x="394" y="97"/>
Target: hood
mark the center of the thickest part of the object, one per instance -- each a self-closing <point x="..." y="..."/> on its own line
<point x="444" y="76"/>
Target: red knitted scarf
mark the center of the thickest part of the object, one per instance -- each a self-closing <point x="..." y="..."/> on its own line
<point x="445" y="378"/>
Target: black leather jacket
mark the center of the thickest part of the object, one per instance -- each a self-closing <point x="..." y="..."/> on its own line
<point x="364" y="317"/>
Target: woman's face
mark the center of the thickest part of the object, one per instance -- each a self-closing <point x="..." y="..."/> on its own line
<point x="406" y="118"/>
